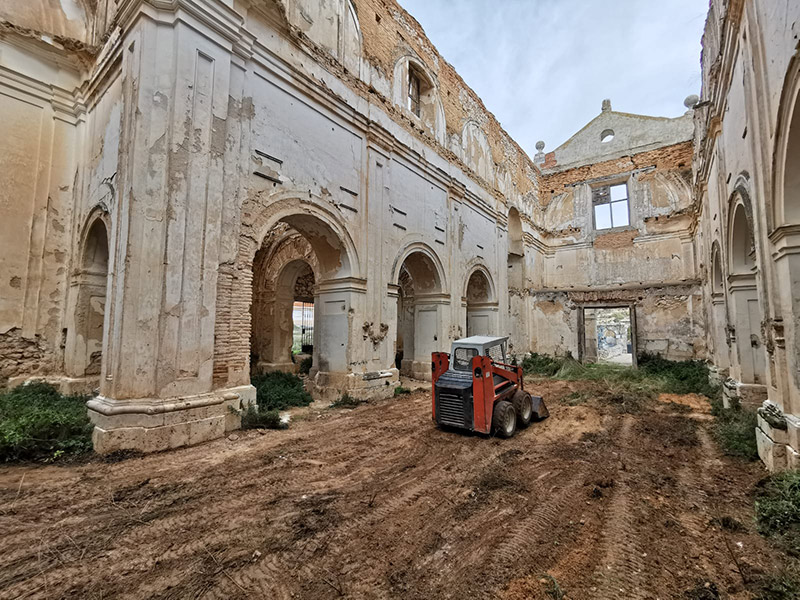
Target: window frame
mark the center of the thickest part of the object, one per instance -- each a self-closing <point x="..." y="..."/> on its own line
<point x="601" y="196"/>
<point x="414" y="93"/>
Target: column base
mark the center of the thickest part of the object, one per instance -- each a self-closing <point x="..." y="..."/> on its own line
<point x="151" y="425"/>
<point x="778" y="438"/>
<point x="376" y="385"/>
<point x="748" y="395"/>
<point x="417" y="369"/>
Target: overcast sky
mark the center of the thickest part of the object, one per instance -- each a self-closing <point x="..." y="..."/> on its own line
<point x="543" y="67"/>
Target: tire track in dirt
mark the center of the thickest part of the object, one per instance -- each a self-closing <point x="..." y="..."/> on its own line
<point x="620" y="573"/>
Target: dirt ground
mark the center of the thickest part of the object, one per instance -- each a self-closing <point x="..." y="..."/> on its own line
<point x="374" y="502"/>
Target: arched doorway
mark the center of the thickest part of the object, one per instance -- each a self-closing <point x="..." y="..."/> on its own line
<point x="516" y="250"/>
<point x="282" y="311"/>
<point x="84" y="343"/>
<point x="419" y="304"/>
<point x="743" y="287"/>
<point x="480" y="303"/>
<point x="277" y="244"/>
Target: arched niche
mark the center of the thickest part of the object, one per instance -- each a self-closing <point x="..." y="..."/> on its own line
<point x="481" y="303"/>
<point x="743" y="286"/>
<point x="87" y="305"/>
<point x="415" y="91"/>
<point x="477" y="153"/>
<point x="419" y="285"/>
<point x="516" y="251"/>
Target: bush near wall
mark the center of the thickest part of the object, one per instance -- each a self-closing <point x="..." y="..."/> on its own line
<point x="39" y="423"/>
<point x="275" y="392"/>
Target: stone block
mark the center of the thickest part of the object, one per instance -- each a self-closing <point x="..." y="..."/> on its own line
<point x="792" y="458"/>
<point x="779" y="436"/>
<point x="793" y="431"/>
<point x="771" y="454"/>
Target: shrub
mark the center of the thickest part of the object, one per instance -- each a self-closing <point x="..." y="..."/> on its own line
<point x="37" y="422"/>
<point x="541" y="364"/>
<point x="346" y="401"/>
<point x="679" y="377"/>
<point x="257" y="418"/>
<point x="279" y="391"/>
<point x="778" y="510"/>
<point x="400" y="390"/>
<point x="305" y="365"/>
<point x="735" y="430"/>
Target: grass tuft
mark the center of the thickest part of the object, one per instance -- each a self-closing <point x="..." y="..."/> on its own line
<point x="39" y="423"/>
<point x="346" y="401"/>
<point x="778" y="510"/>
<point x="257" y="418"/>
<point x="401" y="391"/>
<point x="305" y="365"/>
<point x="735" y="430"/>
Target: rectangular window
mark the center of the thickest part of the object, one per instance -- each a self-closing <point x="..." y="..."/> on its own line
<point x="413" y="93"/>
<point x="611" y="206"/>
<point x="462" y="358"/>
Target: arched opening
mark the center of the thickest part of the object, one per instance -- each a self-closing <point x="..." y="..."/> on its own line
<point x="416" y="91"/>
<point x="717" y="285"/>
<point x="282" y="311"/>
<point x="298" y="256"/>
<point x="84" y="343"/>
<point x="419" y="301"/>
<point x="745" y="310"/>
<point x="480" y="306"/>
<point x="516" y="251"/>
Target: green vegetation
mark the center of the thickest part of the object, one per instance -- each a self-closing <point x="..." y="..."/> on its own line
<point x="279" y="391"/>
<point x="735" y="430"/>
<point x="400" y="390"/>
<point x="305" y="365"/>
<point x="275" y="392"/>
<point x="780" y="586"/>
<point x="778" y="510"/>
<point x="256" y="418"/>
<point x="346" y="401"/>
<point x="39" y="423"/>
<point x="654" y="376"/>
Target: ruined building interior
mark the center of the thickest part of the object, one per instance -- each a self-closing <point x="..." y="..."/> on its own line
<point x="177" y="175"/>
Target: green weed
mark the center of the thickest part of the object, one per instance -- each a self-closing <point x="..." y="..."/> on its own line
<point x="39" y="423"/>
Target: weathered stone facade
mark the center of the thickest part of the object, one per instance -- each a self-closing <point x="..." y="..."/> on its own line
<point x="176" y="174"/>
<point x="746" y="198"/>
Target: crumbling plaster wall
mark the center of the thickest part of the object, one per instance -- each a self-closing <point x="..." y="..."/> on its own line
<point x="742" y="128"/>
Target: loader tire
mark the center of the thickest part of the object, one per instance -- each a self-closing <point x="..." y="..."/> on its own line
<point x="523" y="405"/>
<point x="504" y="419"/>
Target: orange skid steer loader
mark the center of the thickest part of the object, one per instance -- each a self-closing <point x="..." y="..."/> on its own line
<point x="474" y="389"/>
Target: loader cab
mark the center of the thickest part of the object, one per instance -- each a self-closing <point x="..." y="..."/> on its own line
<point x="464" y="350"/>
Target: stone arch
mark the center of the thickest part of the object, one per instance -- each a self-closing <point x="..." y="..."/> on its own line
<point x="785" y="210"/>
<point x="87" y="299"/>
<point x="476" y="152"/>
<point x="516" y="251"/>
<point x="745" y="312"/>
<point x="284" y="258"/>
<point x="741" y="241"/>
<point x="337" y="275"/>
<point x="429" y="266"/>
<point x="480" y="300"/>
<point x="418" y="277"/>
<point x="719" y="319"/>
<point x="431" y="112"/>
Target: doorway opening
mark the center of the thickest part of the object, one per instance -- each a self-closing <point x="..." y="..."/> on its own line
<point x="609" y="336"/>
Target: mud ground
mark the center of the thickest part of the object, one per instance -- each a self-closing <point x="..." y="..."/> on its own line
<point x="374" y="502"/>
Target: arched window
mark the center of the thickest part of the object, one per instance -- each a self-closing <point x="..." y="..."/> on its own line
<point x="416" y="93"/>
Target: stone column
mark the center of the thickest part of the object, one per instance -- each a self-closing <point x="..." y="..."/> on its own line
<point x="156" y="382"/>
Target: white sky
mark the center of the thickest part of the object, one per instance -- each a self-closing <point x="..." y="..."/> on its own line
<point x="543" y="67"/>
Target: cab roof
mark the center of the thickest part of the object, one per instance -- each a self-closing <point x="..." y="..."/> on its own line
<point x="479" y="340"/>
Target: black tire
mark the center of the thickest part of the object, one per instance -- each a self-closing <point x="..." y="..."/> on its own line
<point x="523" y="405"/>
<point x="504" y="419"/>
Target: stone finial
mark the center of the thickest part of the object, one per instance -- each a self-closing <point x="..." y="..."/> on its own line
<point x="691" y="101"/>
<point x="606" y="105"/>
<point x="539" y="157"/>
